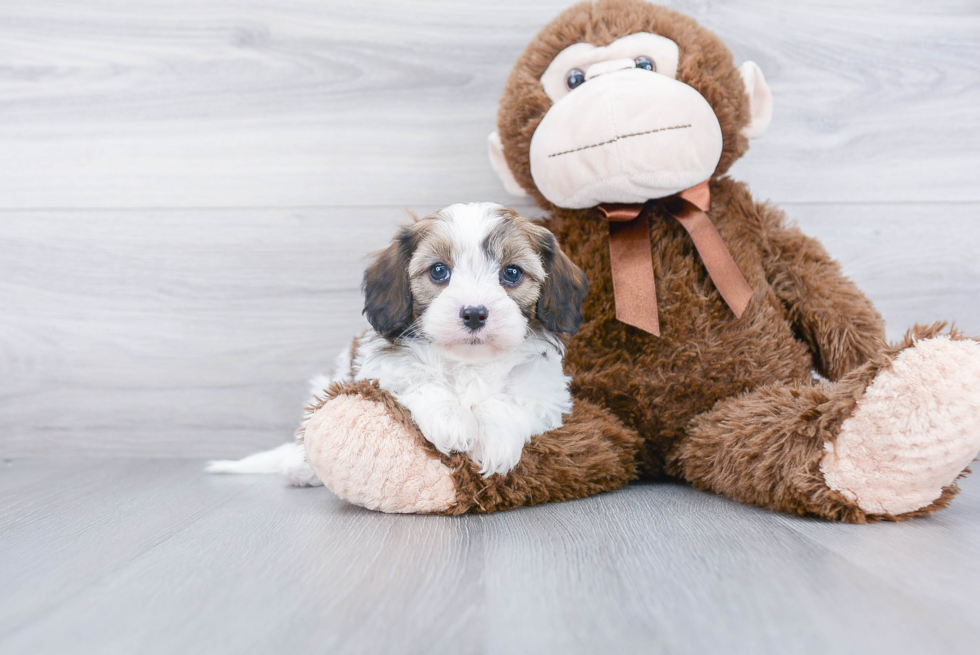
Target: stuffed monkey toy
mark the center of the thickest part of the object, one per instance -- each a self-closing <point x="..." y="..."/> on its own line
<point x="707" y="314"/>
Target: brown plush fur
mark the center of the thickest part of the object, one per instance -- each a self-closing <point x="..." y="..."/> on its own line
<point x="705" y="354"/>
<point x="780" y="430"/>
<point x="728" y="404"/>
<point x="592" y="452"/>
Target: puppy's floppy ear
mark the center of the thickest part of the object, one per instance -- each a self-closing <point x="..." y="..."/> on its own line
<point x="564" y="289"/>
<point x="387" y="291"/>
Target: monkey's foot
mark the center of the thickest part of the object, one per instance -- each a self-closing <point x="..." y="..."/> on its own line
<point x="914" y="431"/>
<point x="369" y="454"/>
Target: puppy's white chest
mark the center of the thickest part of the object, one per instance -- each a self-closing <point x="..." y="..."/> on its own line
<point x="487" y="409"/>
<point x="474" y="385"/>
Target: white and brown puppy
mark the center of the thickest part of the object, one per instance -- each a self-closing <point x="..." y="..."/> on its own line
<point x="466" y="308"/>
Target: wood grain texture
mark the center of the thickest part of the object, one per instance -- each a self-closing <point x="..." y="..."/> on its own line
<point x="192" y="333"/>
<point x="68" y="523"/>
<point x="136" y="556"/>
<point x="268" y="104"/>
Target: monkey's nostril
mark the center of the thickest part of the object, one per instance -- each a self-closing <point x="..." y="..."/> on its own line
<point x="474" y="317"/>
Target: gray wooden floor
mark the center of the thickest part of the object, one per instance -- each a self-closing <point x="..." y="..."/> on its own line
<point x="110" y="555"/>
<point x="187" y="194"/>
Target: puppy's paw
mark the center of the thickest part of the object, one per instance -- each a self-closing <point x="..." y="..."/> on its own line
<point x="498" y="449"/>
<point x="367" y="457"/>
<point x="449" y="427"/>
<point x="914" y="432"/>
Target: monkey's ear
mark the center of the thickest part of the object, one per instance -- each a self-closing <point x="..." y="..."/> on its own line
<point x="386" y="286"/>
<point x="500" y="167"/>
<point x="564" y="289"/>
<point x="760" y="100"/>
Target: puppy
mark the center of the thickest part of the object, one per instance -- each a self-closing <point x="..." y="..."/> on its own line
<point x="467" y="308"/>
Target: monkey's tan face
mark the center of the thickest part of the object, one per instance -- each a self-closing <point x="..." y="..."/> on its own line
<point x="622" y="128"/>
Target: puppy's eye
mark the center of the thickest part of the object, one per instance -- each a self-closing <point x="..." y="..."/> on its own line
<point x="439" y="273"/>
<point x="645" y="63"/>
<point x="574" y="78"/>
<point x="511" y="275"/>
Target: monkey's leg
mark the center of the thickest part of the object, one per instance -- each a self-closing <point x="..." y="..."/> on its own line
<point x="364" y="447"/>
<point x="887" y="441"/>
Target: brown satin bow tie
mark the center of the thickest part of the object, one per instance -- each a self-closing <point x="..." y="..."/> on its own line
<point x="631" y="256"/>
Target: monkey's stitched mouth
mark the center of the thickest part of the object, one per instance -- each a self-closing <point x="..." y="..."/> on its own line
<point x="620" y="138"/>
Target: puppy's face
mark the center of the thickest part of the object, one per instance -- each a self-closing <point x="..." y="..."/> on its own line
<point x="473" y="279"/>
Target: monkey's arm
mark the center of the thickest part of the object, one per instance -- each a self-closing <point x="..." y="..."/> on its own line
<point x="827" y="309"/>
<point x="590" y="453"/>
<point x="364" y="447"/>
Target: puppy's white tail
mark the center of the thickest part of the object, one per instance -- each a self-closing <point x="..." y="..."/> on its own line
<point x="268" y="461"/>
<point x="288" y="459"/>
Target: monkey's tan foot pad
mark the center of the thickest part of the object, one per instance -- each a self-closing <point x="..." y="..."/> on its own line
<point x="914" y="431"/>
<point x="370" y="459"/>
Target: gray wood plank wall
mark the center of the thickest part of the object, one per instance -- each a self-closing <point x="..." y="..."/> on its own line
<point x="188" y="189"/>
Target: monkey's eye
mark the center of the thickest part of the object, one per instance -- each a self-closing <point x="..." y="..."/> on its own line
<point x="645" y="63"/>
<point x="574" y="78"/>
<point x="511" y="275"/>
<point x="439" y="273"/>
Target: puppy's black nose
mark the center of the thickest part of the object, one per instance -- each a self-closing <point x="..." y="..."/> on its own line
<point x="474" y="317"/>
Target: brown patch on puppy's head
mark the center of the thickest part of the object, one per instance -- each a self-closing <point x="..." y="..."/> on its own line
<point x="553" y="287"/>
<point x="436" y="247"/>
<point x="509" y="243"/>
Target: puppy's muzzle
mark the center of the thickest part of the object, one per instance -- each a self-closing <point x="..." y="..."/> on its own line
<point x="474" y="318"/>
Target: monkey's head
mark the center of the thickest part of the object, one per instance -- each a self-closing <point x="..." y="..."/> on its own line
<point x="622" y="101"/>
